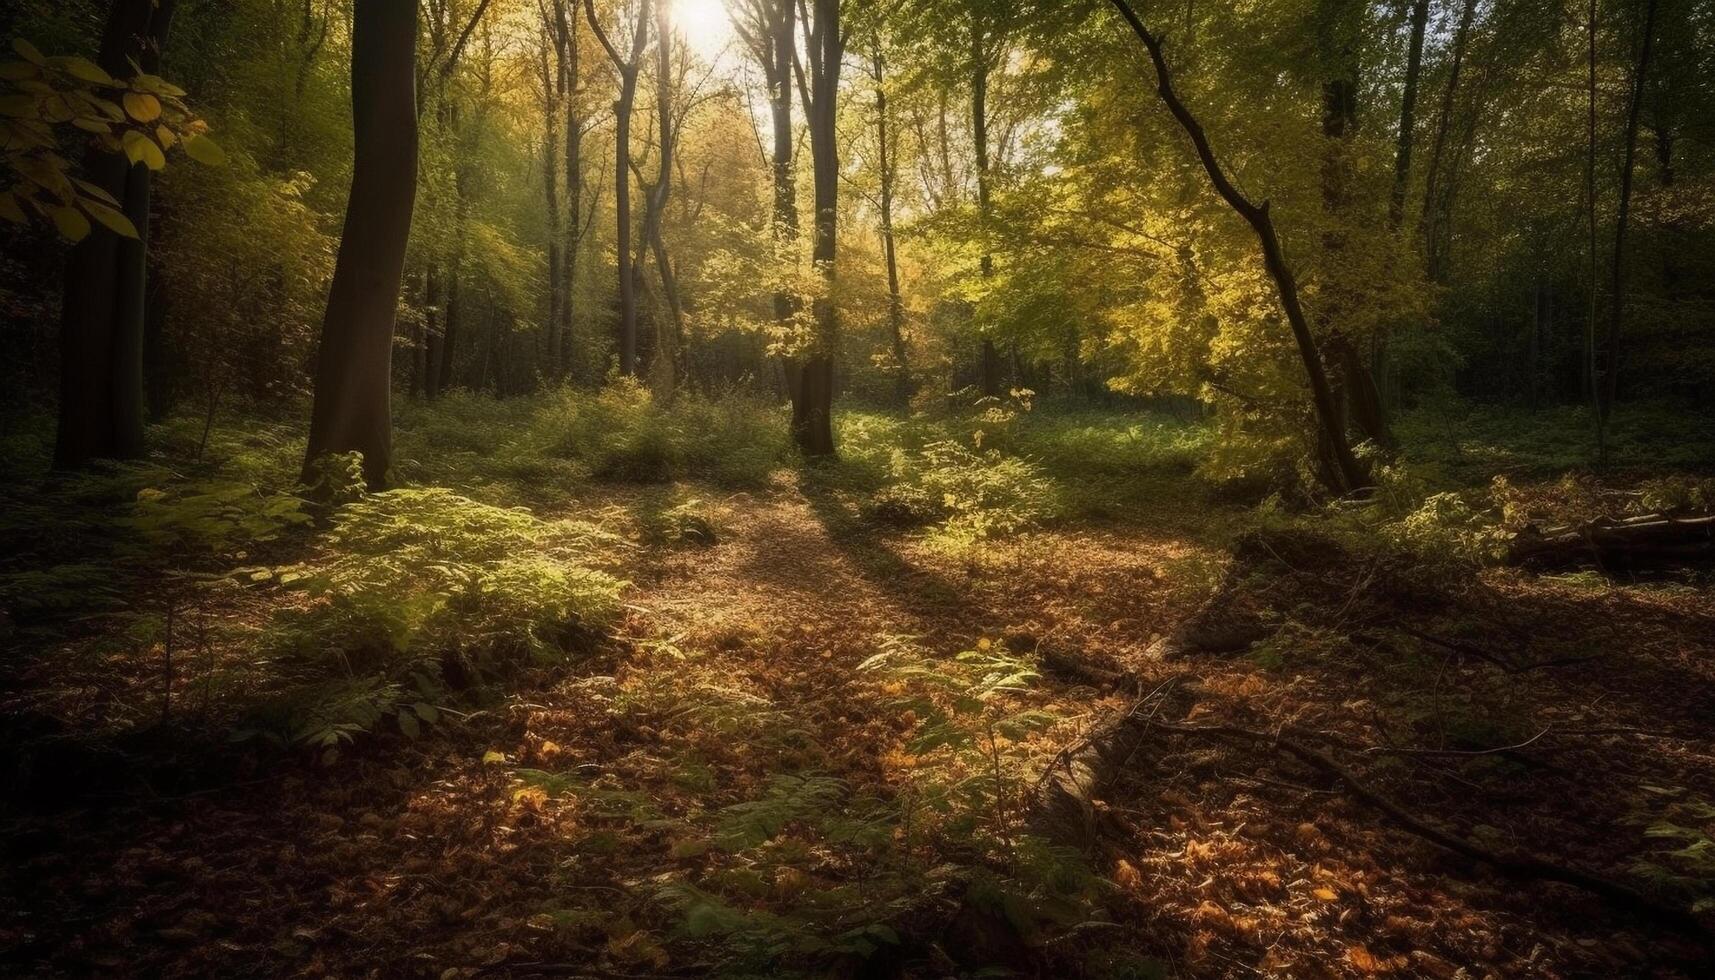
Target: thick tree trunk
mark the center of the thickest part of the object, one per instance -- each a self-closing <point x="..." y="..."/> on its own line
<point x="101" y="325"/>
<point x="1346" y="474"/>
<point x="1653" y="540"/>
<point x="353" y="369"/>
<point x="812" y="404"/>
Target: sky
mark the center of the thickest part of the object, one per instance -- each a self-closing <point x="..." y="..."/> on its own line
<point x="705" y="26"/>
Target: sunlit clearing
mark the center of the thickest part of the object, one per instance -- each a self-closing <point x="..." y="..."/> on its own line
<point x="705" y="26"/>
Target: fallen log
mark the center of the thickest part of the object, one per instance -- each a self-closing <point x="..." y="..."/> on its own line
<point x="1649" y="541"/>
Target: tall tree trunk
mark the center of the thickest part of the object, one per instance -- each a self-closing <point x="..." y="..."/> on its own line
<point x="1355" y="396"/>
<point x="574" y="185"/>
<point x="812" y="406"/>
<point x="553" y="92"/>
<point x="353" y="366"/>
<point x="668" y="330"/>
<point x="980" y="138"/>
<point x="435" y="349"/>
<point x="1427" y="221"/>
<point x="1346" y="474"/>
<point x="101" y="322"/>
<point x="1617" y="312"/>
<point x="888" y="155"/>
<point x="1407" y="115"/>
<point x="1592" y="389"/>
<point x="627" y="70"/>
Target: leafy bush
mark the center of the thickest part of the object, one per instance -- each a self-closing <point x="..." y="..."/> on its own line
<point x="974" y="494"/>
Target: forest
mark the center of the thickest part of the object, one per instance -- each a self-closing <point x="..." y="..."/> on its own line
<point x="622" y="489"/>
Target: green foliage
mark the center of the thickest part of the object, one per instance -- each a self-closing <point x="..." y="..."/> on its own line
<point x="975" y="494"/>
<point x="623" y="433"/>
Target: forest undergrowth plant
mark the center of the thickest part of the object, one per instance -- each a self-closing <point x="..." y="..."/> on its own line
<point x="421" y="591"/>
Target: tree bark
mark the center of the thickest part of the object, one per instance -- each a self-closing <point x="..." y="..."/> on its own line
<point x="1427" y="222"/>
<point x="1617" y="312"/>
<point x="1407" y="115"/>
<point x="812" y="405"/>
<point x="101" y="406"/>
<point x="888" y="171"/>
<point x="627" y="69"/>
<point x="1346" y="475"/>
<point x="980" y="138"/>
<point x="353" y="369"/>
<point x="668" y="331"/>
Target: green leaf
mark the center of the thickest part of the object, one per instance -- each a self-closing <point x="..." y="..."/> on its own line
<point x="408" y="724"/>
<point x="9" y="208"/>
<point x="204" y="150"/>
<point x="114" y="220"/>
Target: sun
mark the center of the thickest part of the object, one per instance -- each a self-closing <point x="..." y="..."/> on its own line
<point x="705" y="26"/>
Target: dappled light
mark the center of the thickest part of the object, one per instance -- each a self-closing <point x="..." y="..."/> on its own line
<point x="807" y="488"/>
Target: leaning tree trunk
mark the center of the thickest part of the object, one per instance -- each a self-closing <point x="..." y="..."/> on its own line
<point x="1345" y="473"/>
<point x="353" y="369"/>
<point x="101" y="407"/>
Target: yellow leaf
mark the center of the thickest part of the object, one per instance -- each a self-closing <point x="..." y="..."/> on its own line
<point x="113" y="219"/>
<point x="9" y="208"/>
<point x="141" y="107"/>
<point x="28" y="52"/>
<point x="142" y="149"/>
<point x="17" y="71"/>
<point x="165" y="137"/>
<point x="204" y="150"/>
<point x="71" y="223"/>
<point x="1326" y="894"/>
<point x="96" y="191"/>
<point x="88" y="71"/>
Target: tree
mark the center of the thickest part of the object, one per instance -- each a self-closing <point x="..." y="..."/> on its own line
<point x="353" y="365"/>
<point x="626" y="67"/>
<point x="101" y="407"/>
<point x="768" y="29"/>
<point x="1617" y="312"/>
<point x="813" y="395"/>
<point x="1344" y="474"/>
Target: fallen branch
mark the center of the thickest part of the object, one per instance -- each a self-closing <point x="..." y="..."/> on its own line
<point x="1513" y="865"/>
<point x="1650" y="541"/>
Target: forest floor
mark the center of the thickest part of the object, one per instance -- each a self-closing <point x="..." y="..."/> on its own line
<point x="693" y="797"/>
